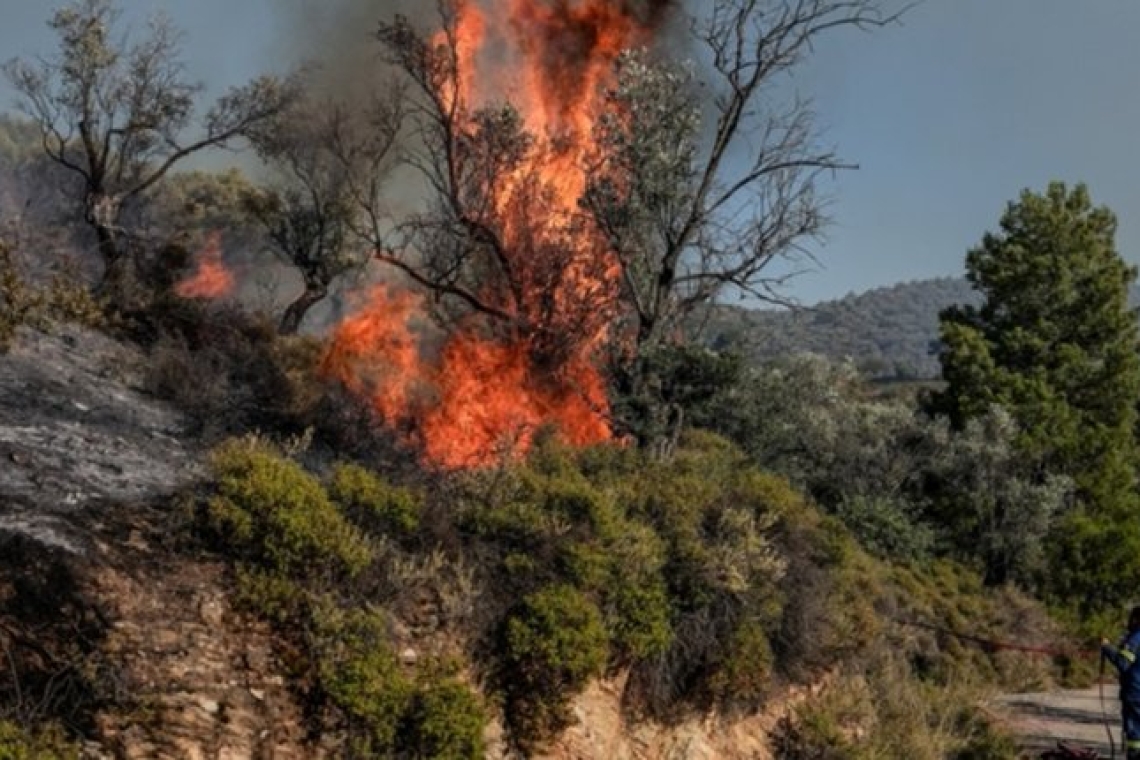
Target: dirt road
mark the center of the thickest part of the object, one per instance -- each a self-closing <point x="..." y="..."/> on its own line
<point x="1076" y="716"/>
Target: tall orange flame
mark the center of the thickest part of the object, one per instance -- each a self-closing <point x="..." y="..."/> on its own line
<point x="211" y="279"/>
<point x="484" y="394"/>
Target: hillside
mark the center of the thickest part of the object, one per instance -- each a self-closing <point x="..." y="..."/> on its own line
<point x="131" y="627"/>
<point x="889" y="332"/>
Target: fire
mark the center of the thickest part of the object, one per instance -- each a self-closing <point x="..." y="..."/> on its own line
<point x="492" y="383"/>
<point x="211" y="279"/>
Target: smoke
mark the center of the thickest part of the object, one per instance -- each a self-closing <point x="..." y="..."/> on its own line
<point x="335" y="40"/>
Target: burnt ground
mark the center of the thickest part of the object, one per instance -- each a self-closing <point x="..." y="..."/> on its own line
<point x="77" y="429"/>
<point x="107" y="626"/>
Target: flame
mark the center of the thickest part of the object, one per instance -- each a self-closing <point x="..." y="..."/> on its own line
<point x="376" y="354"/>
<point x="211" y="279"/>
<point x="486" y="390"/>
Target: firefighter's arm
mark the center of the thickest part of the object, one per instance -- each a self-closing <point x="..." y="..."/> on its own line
<point x="1122" y="657"/>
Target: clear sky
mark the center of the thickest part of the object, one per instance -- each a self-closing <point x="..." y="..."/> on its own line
<point x="949" y="115"/>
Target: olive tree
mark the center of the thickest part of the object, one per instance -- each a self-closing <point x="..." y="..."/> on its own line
<point x="120" y="114"/>
<point x="324" y="208"/>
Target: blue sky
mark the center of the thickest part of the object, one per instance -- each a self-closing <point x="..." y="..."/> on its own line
<point x="949" y="115"/>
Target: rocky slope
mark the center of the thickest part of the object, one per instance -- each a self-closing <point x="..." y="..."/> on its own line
<point x="112" y="625"/>
<point x="107" y="627"/>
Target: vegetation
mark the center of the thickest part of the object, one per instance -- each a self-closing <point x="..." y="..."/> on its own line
<point x="1055" y="344"/>
<point x="713" y="582"/>
<point x="890" y="333"/>
<point x="297" y="554"/>
<point x="115" y="114"/>
<point x="17" y="743"/>
<point x="783" y="523"/>
<point x="23" y="302"/>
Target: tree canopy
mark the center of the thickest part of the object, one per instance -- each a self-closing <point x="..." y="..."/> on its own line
<point x="1055" y="344"/>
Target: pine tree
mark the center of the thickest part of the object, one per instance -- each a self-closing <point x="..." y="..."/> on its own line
<point x="1055" y="344"/>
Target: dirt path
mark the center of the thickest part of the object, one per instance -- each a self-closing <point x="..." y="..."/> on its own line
<point x="1077" y="716"/>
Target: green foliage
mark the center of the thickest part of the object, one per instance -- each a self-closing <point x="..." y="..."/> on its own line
<point x="360" y="673"/>
<point x="887" y="331"/>
<point x="817" y="423"/>
<point x="745" y="673"/>
<point x="373" y="503"/>
<point x="1054" y="343"/>
<point x="278" y="598"/>
<point x="992" y="509"/>
<point x="276" y="515"/>
<point x="18" y="743"/>
<point x="886" y="527"/>
<point x="445" y="719"/>
<point x="552" y="645"/>
<point x="665" y="385"/>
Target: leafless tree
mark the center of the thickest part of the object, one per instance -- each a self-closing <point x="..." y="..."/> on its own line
<point x="119" y="114"/>
<point x="326" y="207"/>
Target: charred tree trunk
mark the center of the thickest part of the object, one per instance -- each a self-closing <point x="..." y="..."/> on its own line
<point x="295" y="313"/>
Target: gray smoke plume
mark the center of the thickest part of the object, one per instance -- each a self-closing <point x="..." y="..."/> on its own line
<point x="336" y="41"/>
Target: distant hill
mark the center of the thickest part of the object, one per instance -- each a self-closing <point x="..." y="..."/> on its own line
<point x="890" y="332"/>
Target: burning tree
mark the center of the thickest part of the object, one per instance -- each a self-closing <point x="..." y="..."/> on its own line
<point x="327" y="203"/>
<point x="584" y="199"/>
<point x="116" y="114"/>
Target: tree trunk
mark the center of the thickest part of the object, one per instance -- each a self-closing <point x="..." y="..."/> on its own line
<point x="295" y="312"/>
<point x="115" y="261"/>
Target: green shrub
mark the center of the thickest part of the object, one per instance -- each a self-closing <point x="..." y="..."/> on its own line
<point x="372" y="502"/>
<point x="746" y="670"/>
<point x="445" y="720"/>
<point x="553" y="643"/>
<point x="361" y="675"/>
<point x="277" y="598"/>
<point x="17" y="743"/>
<point x="277" y="515"/>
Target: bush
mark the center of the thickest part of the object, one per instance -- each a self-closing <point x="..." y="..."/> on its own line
<point x="18" y="743"/>
<point x="278" y="516"/>
<point x="372" y="503"/>
<point x="361" y="675"/>
<point x="277" y="598"/>
<point x="553" y="643"/>
<point x="230" y="371"/>
<point x="744" y="675"/>
<point x="445" y="719"/>
<point x="25" y="303"/>
<point x="886" y="528"/>
<point x="636" y="600"/>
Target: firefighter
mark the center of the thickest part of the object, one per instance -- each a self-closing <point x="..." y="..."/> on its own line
<point x="1123" y="657"/>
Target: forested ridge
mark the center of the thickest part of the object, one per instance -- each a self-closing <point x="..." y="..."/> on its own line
<point x="888" y="332"/>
